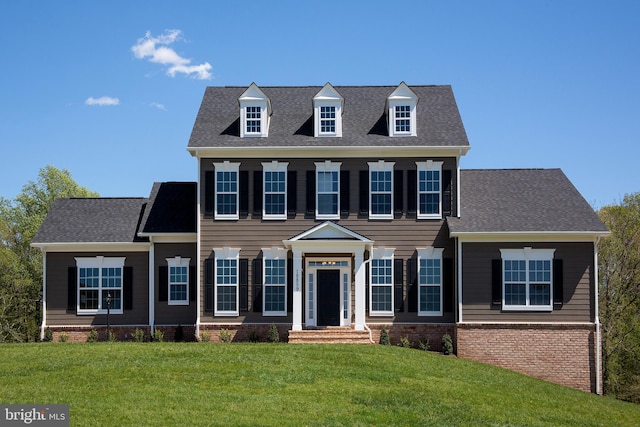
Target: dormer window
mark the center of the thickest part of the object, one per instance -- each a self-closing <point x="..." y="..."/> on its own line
<point x="255" y="112"/>
<point x="401" y="111"/>
<point x="327" y="112"/>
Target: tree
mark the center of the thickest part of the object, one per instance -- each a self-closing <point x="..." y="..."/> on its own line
<point x="620" y="298"/>
<point x="20" y="264"/>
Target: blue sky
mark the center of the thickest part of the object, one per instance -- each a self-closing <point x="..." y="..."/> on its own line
<point x="110" y="90"/>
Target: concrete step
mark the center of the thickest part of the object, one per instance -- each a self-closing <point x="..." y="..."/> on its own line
<point x="329" y="336"/>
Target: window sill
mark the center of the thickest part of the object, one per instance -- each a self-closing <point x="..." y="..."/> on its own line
<point x="226" y="313"/>
<point x="381" y="313"/>
<point x="538" y="308"/>
<point x="430" y="314"/>
<point x="95" y="312"/>
<point x="178" y="302"/>
<point x="274" y="314"/>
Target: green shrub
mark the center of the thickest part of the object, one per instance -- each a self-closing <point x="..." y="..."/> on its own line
<point x="48" y="335"/>
<point x="385" y="338"/>
<point x="225" y="335"/>
<point x="273" y="335"/>
<point x="63" y="337"/>
<point x="447" y="344"/>
<point x="404" y="342"/>
<point x="179" y="335"/>
<point x="111" y="336"/>
<point x="93" y="336"/>
<point x="424" y="345"/>
<point x="205" y="336"/>
<point x="158" y="335"/>
<point x="138" y="335"/>
<point x="254" y="336"/>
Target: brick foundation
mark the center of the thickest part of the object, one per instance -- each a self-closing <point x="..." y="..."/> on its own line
<point x="416" y="333"/>
<point x="122" y="333"/>
<point x="244" y="333"/>
<point x="562" y="354"/>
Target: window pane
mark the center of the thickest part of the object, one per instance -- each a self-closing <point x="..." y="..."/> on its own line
<point x="540" y="294"/>
<point x="381" y="298"/>
<point x="116" y="299"/>
<point x="327" y="204"/>
<point x="274" y="298"/>
<point x="88" y="299"/>
<point x="515" y="294"/>
<point x="226" y="298"/>
<point x="429" y="298"/>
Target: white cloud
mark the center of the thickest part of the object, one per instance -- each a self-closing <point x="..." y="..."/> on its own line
<point x="102" y="101"/>
<point x="158" y="106"/>
<point x="156" y="50"/>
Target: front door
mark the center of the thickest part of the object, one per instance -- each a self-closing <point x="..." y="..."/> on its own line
<point x="328" y="297"/>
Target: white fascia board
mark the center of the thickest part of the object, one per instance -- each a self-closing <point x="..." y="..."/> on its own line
<point x="334" y="150"/>
<point x="531" y="236"/>
<point x="171" y="237"/>
<point x="94" y="246"/>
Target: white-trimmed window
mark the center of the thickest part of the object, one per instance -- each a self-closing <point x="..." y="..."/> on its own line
<point x="381" y="282"/>
<point x="275" y="282"/>
<point x="99" y="281"/>
<point x="429" y="189"/>
<point x="430" y="281"/>
<point x="381" y="190"/>
<point x="255" y="110"/>
<point x="527" y="282"/>
<point x="327" y="112"/>
<point x="275" y="190"/>
<point x="401" y="111"/>
<point x="226" y="281"/>
<point x="178" y="271"/>
<point x="226" y="200"/>
<point x="328" y="190"/>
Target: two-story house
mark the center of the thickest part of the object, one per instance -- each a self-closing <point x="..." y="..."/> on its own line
<point x="331" y="212"/>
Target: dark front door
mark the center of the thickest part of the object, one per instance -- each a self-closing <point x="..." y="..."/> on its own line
<point x="328" y="297"/>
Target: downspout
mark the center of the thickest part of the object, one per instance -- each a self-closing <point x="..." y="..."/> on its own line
<point x="367" y="264"/>
<point x="152" y="287"/>
<point x="198" y="251"/>
<point x="599" y="366"/>
<point x="459" y="269"/>
<point x="44" y="293"/>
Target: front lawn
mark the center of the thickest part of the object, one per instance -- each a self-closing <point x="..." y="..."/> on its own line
<point x="285" y="384"/>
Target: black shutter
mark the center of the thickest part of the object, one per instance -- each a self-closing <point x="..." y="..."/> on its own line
<point x="496" y="282"/>
<point x="558" y="284"/>
<point x="344" y="193"/>
<point x="257" y="285"/>
<point x="257" y="193"/>
<point x="292" y="194"/>
<point x="290" y="285"/>
<point x="398" y="284"/>
<point x="448" y="285"/>
<point x="412" y="192"/>
<point x="243" y="189"/>
<point x="163" y="283"/>
<point x="412" y="283"/>
<point x="398" y="193"/>
<point x="192" y="283"/>
<point x="311" y="193"/>
<point x="127" y="288"/>
<point x="209" y="192"/>
<point x="244" y="284"/>
<point x="446" y="193"/>
<point x="72" y="288"/>
<point x="364" y="193"/>
<point x="208" y="285"/>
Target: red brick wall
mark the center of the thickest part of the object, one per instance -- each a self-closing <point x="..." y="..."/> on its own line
<point x="416" y="333"/>
<point x="562" y="354"/>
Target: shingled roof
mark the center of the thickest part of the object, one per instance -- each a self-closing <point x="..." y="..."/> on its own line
<point x="95" y="220"/>
<point x="171" y="208"/>
<point x="522" y="200"/>
<point x="364" y="121"/>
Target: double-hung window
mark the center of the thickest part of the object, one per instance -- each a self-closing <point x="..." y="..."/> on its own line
<point x="275" y="282"/>
<point x="253" y="120"/>
<point x="226" y="176"/>
<point x="527" y="279"/>
<point x="430" y="281"/>
<point x="275" y="190"/>
<point x="226" y="282"/>
<point x="381" y="190"/>
<point x="381" y="282"/>
<point x="178" y="271"/>
<point x="328" y="190"/>
<point x="328" y="120"/>
<point x="429" y="189"/>
<point x="403" y="119"/>
<point x="100" y="284"/>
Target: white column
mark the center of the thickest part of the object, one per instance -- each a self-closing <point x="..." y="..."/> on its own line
<point x="297" y="290"/>
<point x="360" y="291"/>
<point x="43" y="326"/>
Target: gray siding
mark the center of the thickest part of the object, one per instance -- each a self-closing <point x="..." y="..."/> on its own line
<point x="57" y="272"/>
<point x="252" y="233"/>
<point x="166" y="314"/>
<point x="578" y="283"/>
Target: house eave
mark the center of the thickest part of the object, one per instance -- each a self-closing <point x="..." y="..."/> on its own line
<point x="529" y="236"/>
<point x="319" y="151"/>
<point x="93" y="246"/>
<point x="170" y="237"/>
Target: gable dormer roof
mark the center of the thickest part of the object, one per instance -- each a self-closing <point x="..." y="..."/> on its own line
<point x="327" y="112"/>
<point x="402" y="112"/>
<point x="255" y="112"/>
<point x="402" y="93"/>
<point x="328" y="93"/>
<point x="255" y="94"/>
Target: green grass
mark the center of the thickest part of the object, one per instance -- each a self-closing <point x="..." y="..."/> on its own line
<point x="278" y="384"/>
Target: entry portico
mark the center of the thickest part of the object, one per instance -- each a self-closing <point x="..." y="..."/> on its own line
<point x="328" y="263"/>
